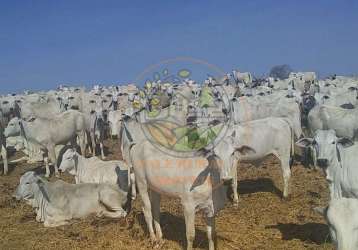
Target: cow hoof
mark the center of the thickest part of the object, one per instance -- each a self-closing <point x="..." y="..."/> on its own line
<point x="286" y="198"/>
<point x="47" y="176"/>
<point x="158" y="244"/>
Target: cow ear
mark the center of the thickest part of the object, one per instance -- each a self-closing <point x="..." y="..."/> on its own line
<point x="304" y="142"/>
<point x="41" y="185"/>
<point x="345" y="142"/>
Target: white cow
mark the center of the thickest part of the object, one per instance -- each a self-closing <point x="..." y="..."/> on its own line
<point x="343" y="121"/>
<point x="338" y="158"/>
<point x="304" y="76"/>
<point x="269" y="136"/>
<point x="94" y="170"/>
<point x="115" y="120"/>
<point x="249" y="108"/>
<point x="193" y="180"/>
<point x="59" y="202"/>
<point x="47" y="133"/>
<point x="342" y="218"/>
<point x="242" y="77"/>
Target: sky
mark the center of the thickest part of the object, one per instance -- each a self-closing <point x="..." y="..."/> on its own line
<point x="46" y="43"/>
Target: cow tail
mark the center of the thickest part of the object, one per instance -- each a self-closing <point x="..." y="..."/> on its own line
<point x="292" y="154"/>
<point x="292" y="134"/>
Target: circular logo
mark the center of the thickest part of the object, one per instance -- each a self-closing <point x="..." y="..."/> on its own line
<point x="185" y="107"/>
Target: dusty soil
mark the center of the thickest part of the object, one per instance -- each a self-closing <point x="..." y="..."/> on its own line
<point x="262" y="220"/>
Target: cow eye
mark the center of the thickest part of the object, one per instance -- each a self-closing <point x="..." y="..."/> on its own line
<point x="334" y="142"/>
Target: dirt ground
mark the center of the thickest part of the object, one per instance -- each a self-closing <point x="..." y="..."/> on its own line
<point x="262" y="220"/>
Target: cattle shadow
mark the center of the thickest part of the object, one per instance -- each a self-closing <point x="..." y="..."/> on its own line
<point x="106" y="150"/>
<point x="11" y="168"/>
<point x="251" y="186"/>
<point x="11" y="152"/>
<point x="41" y="169"/>
<point x="173" y="229"/>
<point x="313" y="232"/>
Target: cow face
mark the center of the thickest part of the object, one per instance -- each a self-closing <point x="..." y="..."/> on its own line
<point x="68" y="162"/>
<point x="227" y="158"/>
<point x="327" y="146"/>
<point x="25" y="189"/>
<point x="13" y="128"/>
<point x="229" y="151"/>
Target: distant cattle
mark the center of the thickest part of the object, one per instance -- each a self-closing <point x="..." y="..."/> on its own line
<point x="3" y="151"/>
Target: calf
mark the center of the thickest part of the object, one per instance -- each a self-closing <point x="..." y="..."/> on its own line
<point x="58" y="202"/>
<point x="94" y="170"/>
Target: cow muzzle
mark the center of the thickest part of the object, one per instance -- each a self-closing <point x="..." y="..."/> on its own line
<point x="322" y="163"/>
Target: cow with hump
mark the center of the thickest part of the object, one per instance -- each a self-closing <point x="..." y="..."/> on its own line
<point x="56" y="203"/>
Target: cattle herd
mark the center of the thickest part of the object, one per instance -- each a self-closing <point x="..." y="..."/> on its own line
<point x="170" y="144"/>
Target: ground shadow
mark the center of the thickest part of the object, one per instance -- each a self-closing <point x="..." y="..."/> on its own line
<point x="258" y="185"/>
<point x="173" y="228"/>
<point x="314" y="232"/>
<point x="106" y="150"/>
<point x="11" y="168"/>
<point x="41" y="169"/>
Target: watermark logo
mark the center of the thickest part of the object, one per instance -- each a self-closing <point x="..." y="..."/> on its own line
<point x="185" y="105"/>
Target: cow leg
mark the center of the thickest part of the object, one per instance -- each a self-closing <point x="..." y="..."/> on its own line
<point x="87" y="139"/>
<point x="234" y="185"/>
<point x="93" y="141"/>
<point x="4" y="158"/>
<point x="111" y="202"/>
<point x="189" y="214"/>
<point x="133" y="187"/>
<point x="210" y="229"/>
<point x="155" y="201"/>
<point x="314" y="158"/>
<point x="102" y="151"/>
<point x="52" y="156"/>
<point x="147" y="209"/>
<point x="47" y="175"/>
<point x="82" y="140"/>
<point x="286" y="173"/>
